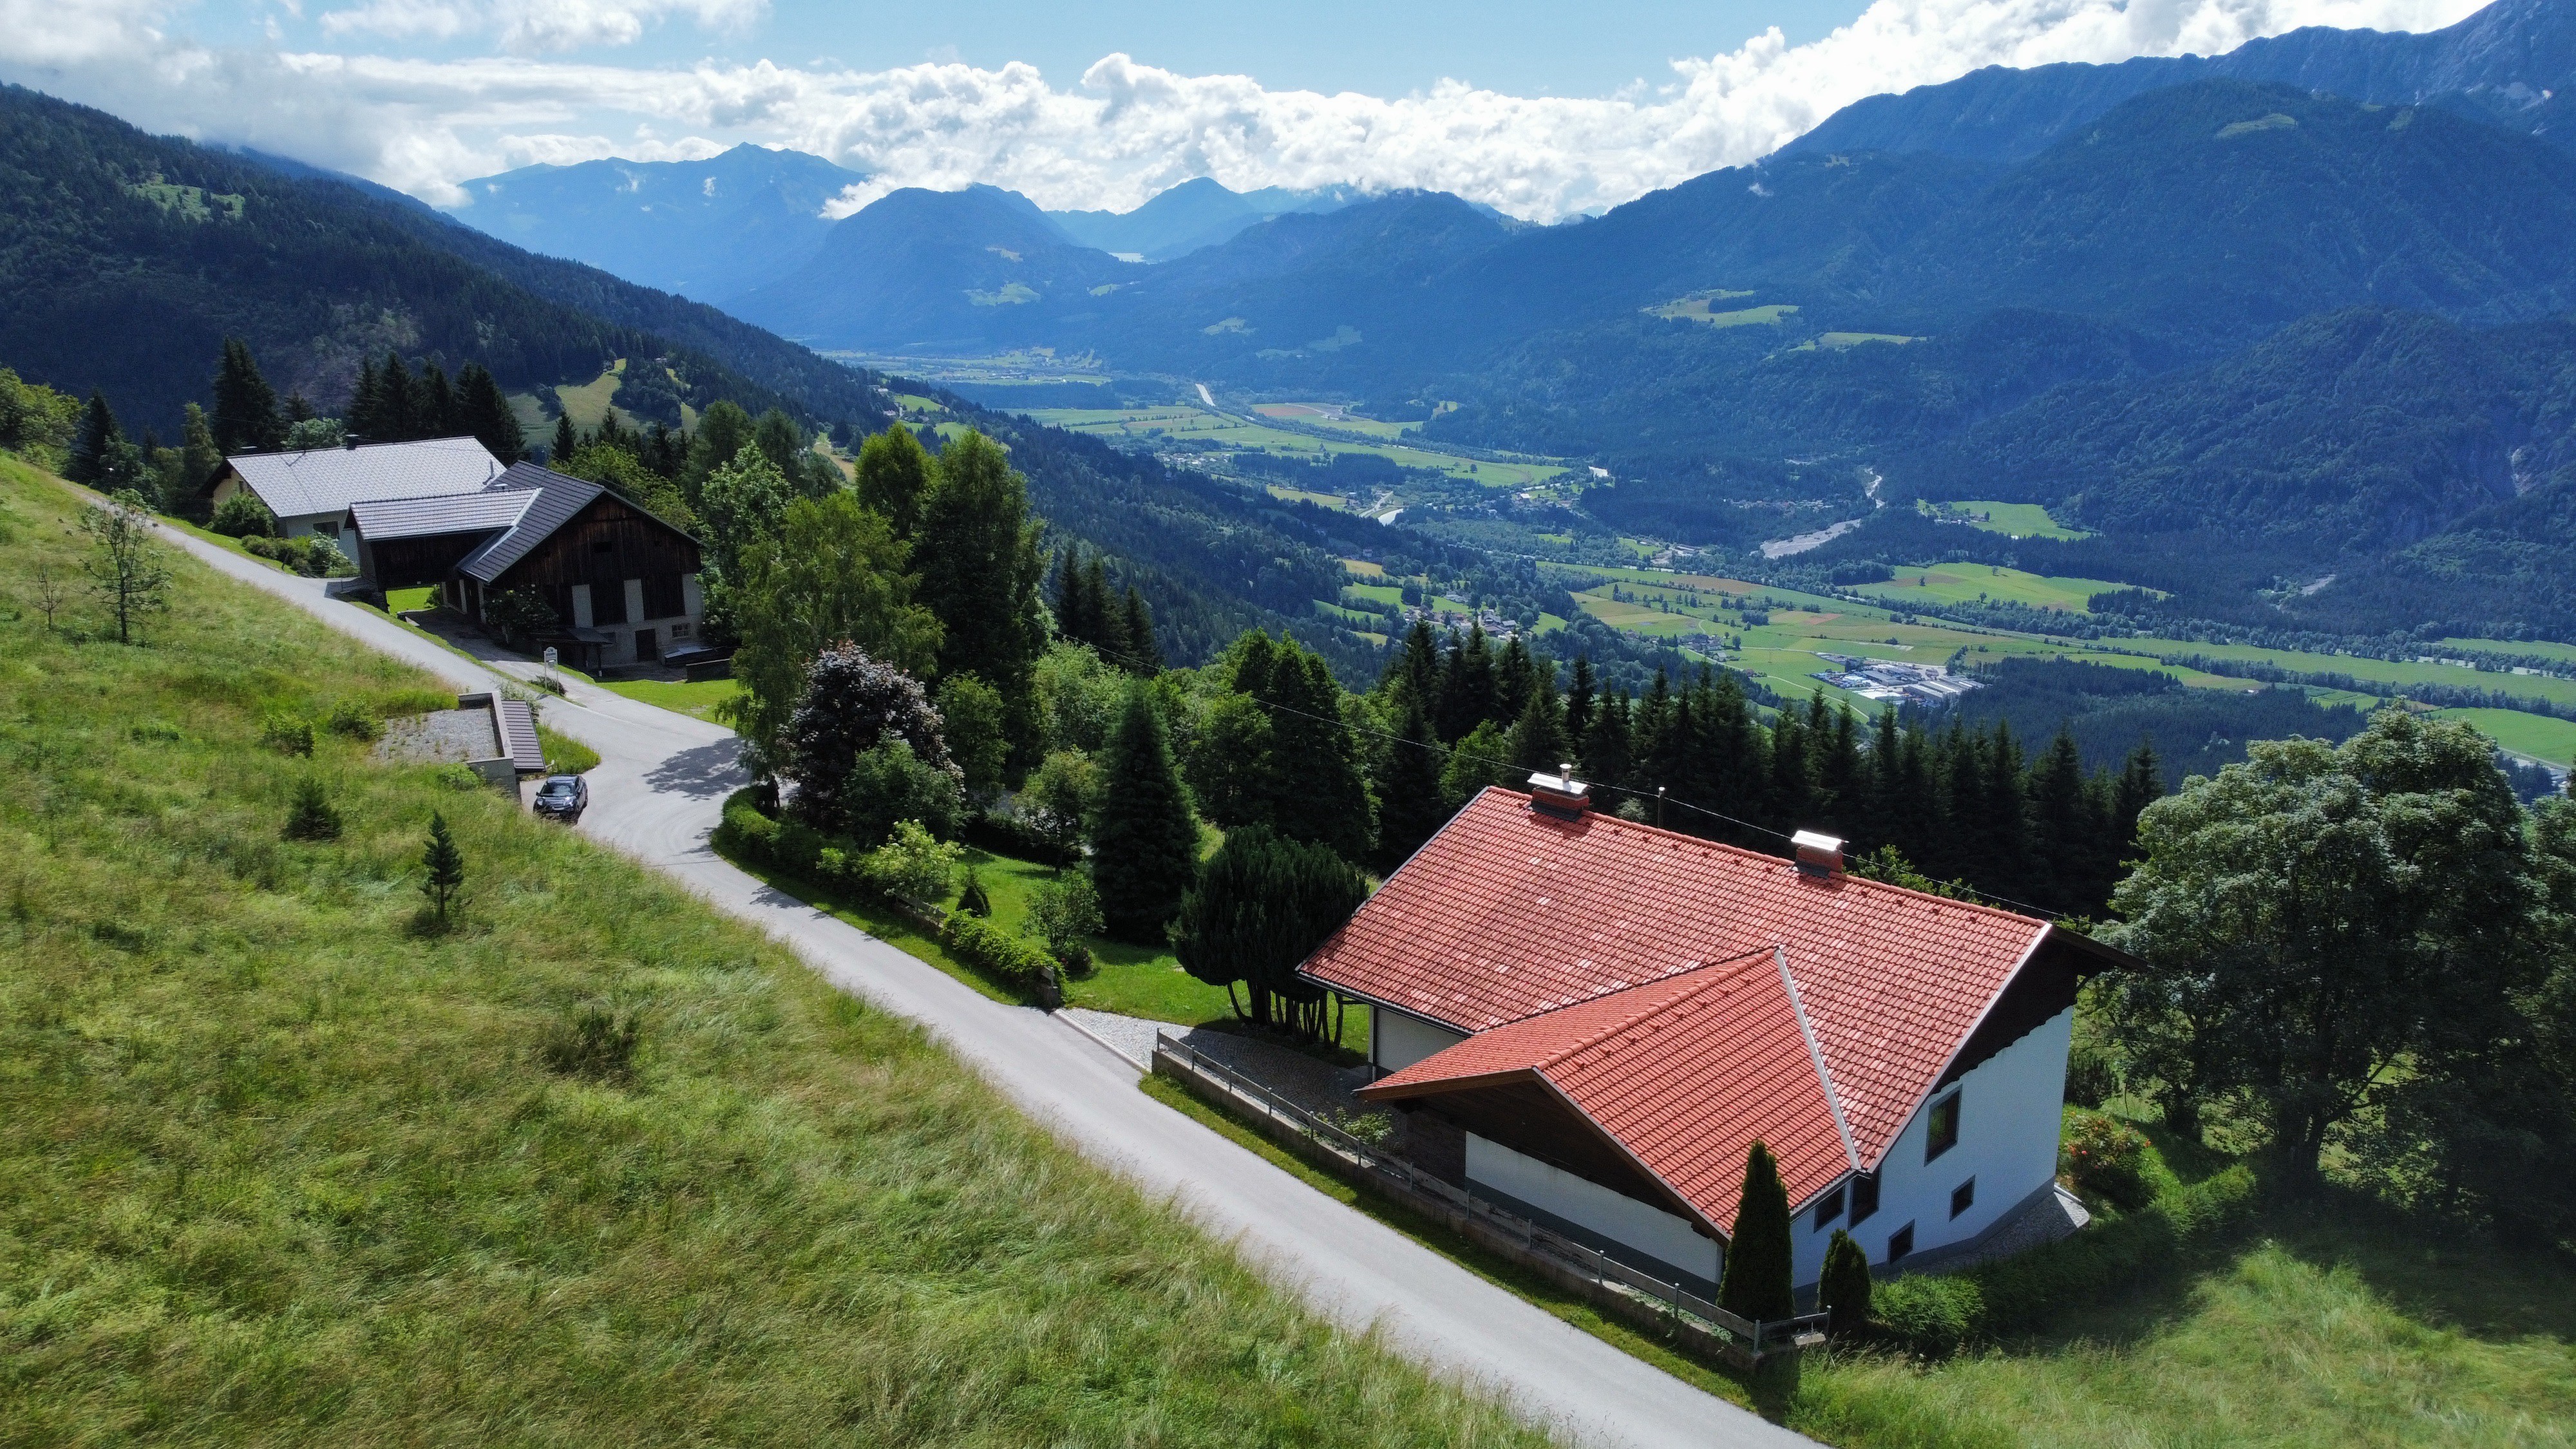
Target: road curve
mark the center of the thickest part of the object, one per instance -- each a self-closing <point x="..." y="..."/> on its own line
<point x="656" y="796"/>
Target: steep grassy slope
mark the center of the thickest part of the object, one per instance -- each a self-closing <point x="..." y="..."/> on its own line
<point x="278" y="1165"/>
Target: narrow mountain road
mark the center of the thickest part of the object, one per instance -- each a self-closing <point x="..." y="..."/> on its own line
<point x="657" y="794"/>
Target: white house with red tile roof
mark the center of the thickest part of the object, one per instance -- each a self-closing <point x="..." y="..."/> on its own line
<point x="1589" y="1021"/>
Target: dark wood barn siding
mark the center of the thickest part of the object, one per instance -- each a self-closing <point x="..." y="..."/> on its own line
<point x="404" y="563"/>
<point x="604" y="545"/>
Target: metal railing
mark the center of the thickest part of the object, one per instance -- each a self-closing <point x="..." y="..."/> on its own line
<point x="1761" y="1336"/>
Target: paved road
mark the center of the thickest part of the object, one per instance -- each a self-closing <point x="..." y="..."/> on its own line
<point x="656" y="795"/>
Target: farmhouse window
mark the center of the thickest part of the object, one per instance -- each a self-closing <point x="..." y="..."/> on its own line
<point x="1944" y="1128"/>
<point x="1864" y="1198"/>
<point x="1829" y="1209"/>
<point x="1900" y="1242"/>
<point x="1963" y="1197"/>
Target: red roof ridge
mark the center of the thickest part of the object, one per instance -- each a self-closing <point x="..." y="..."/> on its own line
<point x="1762" y="856"/>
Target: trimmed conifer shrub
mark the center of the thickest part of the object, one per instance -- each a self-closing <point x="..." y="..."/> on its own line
<point x="1844" y="1290"/>
<point x="1758" y="1270"/>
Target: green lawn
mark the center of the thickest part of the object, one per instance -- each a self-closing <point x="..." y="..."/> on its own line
<point x="693" y="697"/>
<point x="279" y="1163"/>
<point x="401" y="601"/>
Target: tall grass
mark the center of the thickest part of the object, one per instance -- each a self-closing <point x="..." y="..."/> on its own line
<point x="279" y="1163"/>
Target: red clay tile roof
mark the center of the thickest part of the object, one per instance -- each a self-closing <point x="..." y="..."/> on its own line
<point x="1685" y="1073"/>
<point x="1509" y="913"/>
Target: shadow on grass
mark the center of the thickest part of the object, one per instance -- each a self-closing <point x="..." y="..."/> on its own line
<point x="2436" y="1273"/>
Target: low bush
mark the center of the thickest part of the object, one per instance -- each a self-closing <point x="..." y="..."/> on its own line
<point x="459" y="777"/>
<point x="2106" y="1159"/>
<point x="352" y="720"/>
<point x="1008" y="835"/>
<point x="1927" y="1314"/>
<point x="243" y="516"/>
<point x="287" y="734"/>
<point x="914" y="867"/>
<point x="313" y="557"/>
<point x="971" y="897"/>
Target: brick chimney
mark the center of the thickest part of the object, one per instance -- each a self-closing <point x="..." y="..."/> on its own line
<point x="1560" y="793"/>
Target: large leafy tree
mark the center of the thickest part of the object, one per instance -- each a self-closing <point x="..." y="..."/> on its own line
<point x="247" y="419"/>
<point x="894" y="473"/>
<point x="1144" y="845"/>
<point x="2316" y="918"/>
<point x="977" y="549"/>
<point x="852" y="702"/>
<point x="833" y="575"/>
<point x="1262" y="904"/>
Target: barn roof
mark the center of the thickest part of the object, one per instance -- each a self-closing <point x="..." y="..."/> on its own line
<point x="556" y="499"/>
<point x="329" y="480"/>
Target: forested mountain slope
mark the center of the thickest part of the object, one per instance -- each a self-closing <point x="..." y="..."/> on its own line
<point x="127" y="259"/>
<point x="2499" y="63"/>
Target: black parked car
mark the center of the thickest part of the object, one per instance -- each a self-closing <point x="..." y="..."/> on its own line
<point x="563" y="797"/>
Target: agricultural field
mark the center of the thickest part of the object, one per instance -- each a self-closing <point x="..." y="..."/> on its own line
<point x="2533" y="736"/>
<point x="2378" y="671"/>
<point x="1701" y="307"/>
<point x="2017" y="520"/>
<point x="1199" y="423"/>
<point x="1963" y="583"/>
<point x="2564" y="653"/>
<point x="1329" y="415"/>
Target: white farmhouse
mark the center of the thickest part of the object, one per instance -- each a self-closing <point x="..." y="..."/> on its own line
<point x="311" y="491"/>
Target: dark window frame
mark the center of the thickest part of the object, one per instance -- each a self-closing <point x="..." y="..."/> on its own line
<point x="1900" y="1244"/>
<point x="1941" y="1127"/>
<point x="1864" y="1198"/>
<point x="1828" y="1208"/>
<point x="1963" y="1197"/>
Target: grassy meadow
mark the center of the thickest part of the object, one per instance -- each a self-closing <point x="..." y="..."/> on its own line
<point x="282" y="1161"/>
<point x="1181" y="421"/>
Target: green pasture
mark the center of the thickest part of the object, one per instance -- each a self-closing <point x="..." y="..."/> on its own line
<point x="1962" y="583"/>
<point x="1325" y="415"/>
<point x="1837" y="341"/>
<point x="2020" y="520"/>
<point x="2539" y="736"/>
<point x="2565" y="653"/>
<point x="2377" y="671"/>
<point x="1190" y="422"/>
<point x="1375" y="593"/>
<point x="1699" y="308"/>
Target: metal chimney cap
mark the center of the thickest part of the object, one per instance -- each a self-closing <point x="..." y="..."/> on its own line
<point x="1818" y="853"/>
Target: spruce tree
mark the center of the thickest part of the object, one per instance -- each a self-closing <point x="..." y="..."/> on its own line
<point x="397" y="405"/>
<point x="977" y="549"/>
<point x="1844" y="1289"/>
<point x="1758" y="1267"/>
<point x="2062" y="830"/>
<point x="1145" y="846"/>
<point x="1108" y="621"/>
<point x="246" y="419"/>
<point x="358" y="417"/>
<point x="439" y="414"/>
<point x="1144" y="656"/>
<point x="894" y="473"/>
<point x="568" y="442"/>
<point x="1605" y="744"/>
<point x="1579" y="694"/>
<point x="1410" y="806"/>
<point x="1073" y="607"/>
<point x="1537" y="743"/>
<point x="446" y="865"/>
<point x="1312" y="769"/>
<point x="198" y="455"/>
<point x="95" y="444"/>
<point x="1792" y="803"/>
<point x="1415" y="669"/>
<point x="1466" y="684"/>
<point x="1515" y="680"/>
<point x="487" y="415"/>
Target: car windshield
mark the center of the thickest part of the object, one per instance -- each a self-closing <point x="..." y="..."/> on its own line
<point x="557" y="787"/>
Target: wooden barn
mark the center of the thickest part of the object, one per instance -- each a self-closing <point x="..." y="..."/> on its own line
<point x="622" y="583"/>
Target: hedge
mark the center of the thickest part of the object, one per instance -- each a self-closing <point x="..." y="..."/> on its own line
<point x="1934" y="1314"/>
<point x="747" y="835"/>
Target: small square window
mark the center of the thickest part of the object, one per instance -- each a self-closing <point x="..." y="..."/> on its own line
<point x="1828" y="1209"/>
<point x="1963" y="1197"/>
<point x="1943" y="1132"/>
<point x="679" y="631"/>
<point x="1864" y="1199"/>
<point x="1900" y="1242"/>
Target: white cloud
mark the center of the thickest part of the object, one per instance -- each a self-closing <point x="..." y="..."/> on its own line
<point x="528" y="26"/>
<point x="1118" y="134"/>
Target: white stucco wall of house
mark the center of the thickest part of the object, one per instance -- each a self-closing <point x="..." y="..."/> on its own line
<point x="2009" y="1111"/>
<point x="1397" y="1041"/>
<point x="1665" y="1236"/>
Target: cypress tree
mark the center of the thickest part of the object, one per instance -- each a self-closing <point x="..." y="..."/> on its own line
<point x="1144" y="656"/>
<point x="95" y="443"/>
<point x="487" y="415"/>
<point x="893" y="474"/>
<point x="1145" y="846"/>
<point x="568" y="442"/>
<point x="246" y="416"/>
<point x="1843" y="1291"/>
<point x="1410" y="807"/>
<point x="1758" y="1269"/>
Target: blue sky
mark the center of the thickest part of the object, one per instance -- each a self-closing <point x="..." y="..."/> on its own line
<point x="1539" y="109"/>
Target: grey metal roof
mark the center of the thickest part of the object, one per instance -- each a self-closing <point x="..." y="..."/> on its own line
<point x="493" y="508"/>
<point x="519" y="736"/>
<point x="329" y="480"/>
<point x="557" y="499"/>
